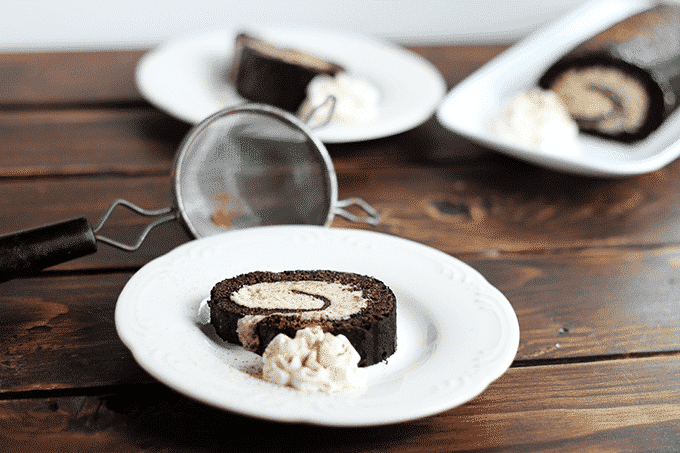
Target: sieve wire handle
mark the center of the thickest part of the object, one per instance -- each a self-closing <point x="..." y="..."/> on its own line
<point x="166" y="213"/>
<point x="327" y="119"/>
<point x="28" y="251"/>
<point x="373" y="217"/>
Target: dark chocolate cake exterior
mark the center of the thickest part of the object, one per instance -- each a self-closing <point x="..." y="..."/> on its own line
<point x="370" y="326"/>
<point x="621" y="84"/>
<point x="265" y="73"/>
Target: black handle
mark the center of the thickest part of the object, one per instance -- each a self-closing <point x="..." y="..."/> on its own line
<point x="32" y="250"/>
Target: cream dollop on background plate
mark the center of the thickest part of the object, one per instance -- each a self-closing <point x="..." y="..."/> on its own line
<point x="538" y="119"/>
<point x="356" y="100"/>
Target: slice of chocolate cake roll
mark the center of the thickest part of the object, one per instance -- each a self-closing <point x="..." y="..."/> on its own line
<point x="266" y="73"/>
<point x="621" y="84"/>
<point x="251" y="309"/>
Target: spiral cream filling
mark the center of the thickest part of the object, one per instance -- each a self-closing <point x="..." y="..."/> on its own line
<point x="605" y="99"/>
<point x="306" y="299"/>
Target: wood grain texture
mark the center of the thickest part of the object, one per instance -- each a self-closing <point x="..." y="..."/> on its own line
<point x="482" y="203"/>
<point x="622" y="405"/>
<point x="59" y="333"/>
<point x="35" y="78"/>
<point x="501" y="204"/>
<point x="87" y="141"/>
<point x="591" y="302"/>
<point x="590" y="266"/>
<point x="86" y="77"/>
<point x="581" y="305"/>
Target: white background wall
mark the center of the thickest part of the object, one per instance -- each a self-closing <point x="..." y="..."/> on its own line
<point x="98" y="24"/>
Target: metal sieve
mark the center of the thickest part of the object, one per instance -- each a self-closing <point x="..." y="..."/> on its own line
<point x="241" y="167"/>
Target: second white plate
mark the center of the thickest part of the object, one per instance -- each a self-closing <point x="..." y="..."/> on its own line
<point x="471" y="105"/>
<point x="187" y="78"/>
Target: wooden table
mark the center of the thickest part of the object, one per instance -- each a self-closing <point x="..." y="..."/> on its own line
<point x="591" y="267"/>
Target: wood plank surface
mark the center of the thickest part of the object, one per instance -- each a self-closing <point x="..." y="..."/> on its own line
<point x="590" y="266"/>
<point x="32" y="78"/>
<point x="583" y="305"/>
<point x="504" y="205"/>
<point x="85" y="77"/>
<point x="477" y="207"/>
<point x="87" y="141"/>
<point x="483" y="202"/>
<point x="60" y="333"/>
<point x="613" y="406"/>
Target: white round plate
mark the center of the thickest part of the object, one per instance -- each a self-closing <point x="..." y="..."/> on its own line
<point x="187" y="78"/>
<point x="456" y="333"/>
<point x="471" y="105"/>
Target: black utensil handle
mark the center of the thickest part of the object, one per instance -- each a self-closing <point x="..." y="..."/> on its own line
<point x="32" y="250"/>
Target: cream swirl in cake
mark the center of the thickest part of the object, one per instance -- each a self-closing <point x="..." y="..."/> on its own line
<point x="603" y="99"/>
<point x="307" y="299"/>
<point x="251" y="309"/>
<point x="335" y="299"/>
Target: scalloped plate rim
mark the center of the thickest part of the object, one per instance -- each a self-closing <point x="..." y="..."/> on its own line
<point x="343" y="409"/>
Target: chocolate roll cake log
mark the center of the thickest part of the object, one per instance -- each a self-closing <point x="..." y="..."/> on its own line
<point x="265" y="73"/>
<point x="251" y="309"/>
<point x="621" y="84"/>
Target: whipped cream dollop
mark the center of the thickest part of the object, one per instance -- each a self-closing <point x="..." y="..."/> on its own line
<point x="356" y="100"/>
<point x="313" y="361"/>
<point x="538" y="119"/>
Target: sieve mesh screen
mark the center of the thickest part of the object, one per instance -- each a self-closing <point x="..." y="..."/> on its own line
<point x="252" y="167"/>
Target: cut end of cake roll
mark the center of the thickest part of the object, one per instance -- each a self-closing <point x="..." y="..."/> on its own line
<point x="623" y="82"/>
<point x="266" y="73"/>
<point x="252" y="309"/>
<point x="607" y="97"/>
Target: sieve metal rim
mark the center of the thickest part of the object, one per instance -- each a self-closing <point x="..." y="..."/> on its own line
<point x="253" y="108"/>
